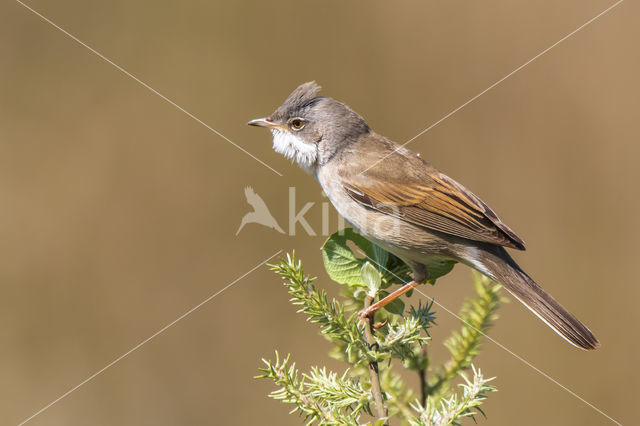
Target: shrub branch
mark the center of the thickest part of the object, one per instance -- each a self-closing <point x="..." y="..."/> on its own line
<point x="370" y="387"/>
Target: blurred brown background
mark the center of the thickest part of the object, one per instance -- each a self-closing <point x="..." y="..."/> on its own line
<point x="118" y="212"/>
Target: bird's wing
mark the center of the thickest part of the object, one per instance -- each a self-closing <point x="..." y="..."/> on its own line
<point x="405" y="186"/>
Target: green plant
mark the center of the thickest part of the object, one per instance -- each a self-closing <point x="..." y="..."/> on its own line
<point x="372" y="386"/>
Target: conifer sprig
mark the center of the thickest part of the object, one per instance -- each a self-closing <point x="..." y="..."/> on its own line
<point x="318" y="396"/>
<point x="314" y="303"/>
<point x="452" y="408"/>
<point x="477" y="315"/>
<point x="370" y="388"/>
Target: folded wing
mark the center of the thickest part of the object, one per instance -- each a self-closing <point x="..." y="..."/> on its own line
<point x="428" y="198"/>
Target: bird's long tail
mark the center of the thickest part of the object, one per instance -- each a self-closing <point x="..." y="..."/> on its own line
<point x="499" y="266"/>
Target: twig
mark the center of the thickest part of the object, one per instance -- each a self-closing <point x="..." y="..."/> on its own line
<point x="422" y="374"/>
<point x="381" y="410"/>
<point x="423" y="384"/>
<point x="296" y="394"/>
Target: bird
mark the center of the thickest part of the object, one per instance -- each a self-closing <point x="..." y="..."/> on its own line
<point x="260" y="213"/>
<point x="399" y="201"/>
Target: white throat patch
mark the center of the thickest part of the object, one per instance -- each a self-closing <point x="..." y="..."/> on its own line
<point x="294" y="148"/>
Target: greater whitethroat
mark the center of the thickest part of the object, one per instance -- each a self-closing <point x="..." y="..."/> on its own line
<point x="403" y="204"/>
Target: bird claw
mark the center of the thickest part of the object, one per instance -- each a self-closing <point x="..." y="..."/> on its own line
<point x="365" y="313"/>
<point x="379" y="325"/>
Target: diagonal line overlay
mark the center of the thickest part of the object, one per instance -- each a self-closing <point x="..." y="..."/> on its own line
<point x="145" y="85"/>
<point x="160" y="331"/>
<point x="136" y="347"/>
<point x="498" y="82"/>
<point x="506" y="349"/>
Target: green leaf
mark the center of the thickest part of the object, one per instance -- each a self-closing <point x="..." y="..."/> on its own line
<point x="395" y="307"/>
<point x="438" y="268"/>
<point x="344" y="267"/>
<point x="341" y="263"/>
<point x="380" y="256"/>
<point x="371" y="278"/>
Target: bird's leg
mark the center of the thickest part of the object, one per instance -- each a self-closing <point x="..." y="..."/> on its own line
<point x="390" y="298"/>
<point x="419" y="277"/>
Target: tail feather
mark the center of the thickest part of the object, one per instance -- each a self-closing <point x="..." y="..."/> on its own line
<point x="498" y="265"/>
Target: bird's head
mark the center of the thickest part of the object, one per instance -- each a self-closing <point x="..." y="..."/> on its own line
<point x="310" y="129"/>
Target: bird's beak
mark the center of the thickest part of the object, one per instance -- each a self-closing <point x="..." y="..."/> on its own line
<point x="262" y="122"/>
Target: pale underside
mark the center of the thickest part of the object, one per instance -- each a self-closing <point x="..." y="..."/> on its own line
<point x="295" y="149"/>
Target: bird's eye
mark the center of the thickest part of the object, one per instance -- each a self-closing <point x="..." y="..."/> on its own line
<point x="297" y="123"/>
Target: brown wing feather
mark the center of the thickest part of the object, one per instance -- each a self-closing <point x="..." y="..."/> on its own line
<point x="428" y="198"/>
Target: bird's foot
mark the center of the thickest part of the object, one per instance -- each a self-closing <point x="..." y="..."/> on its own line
<point x="366" y="313"/>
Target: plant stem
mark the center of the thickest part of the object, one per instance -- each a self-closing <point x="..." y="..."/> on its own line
<point x="376" y="391"/>
<point x="423" y="384"/>
<point x="422" y="374"/>
<point x="302" y="399"/>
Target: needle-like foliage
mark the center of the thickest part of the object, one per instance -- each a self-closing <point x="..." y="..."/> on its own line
<point x="371" y="390"/>
<point x="476" y="316"/>
<point x="450" y="409"/>
<point x="319" y="396"/>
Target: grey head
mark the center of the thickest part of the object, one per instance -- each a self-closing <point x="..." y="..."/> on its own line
<point x="311" y="129"/>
